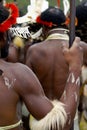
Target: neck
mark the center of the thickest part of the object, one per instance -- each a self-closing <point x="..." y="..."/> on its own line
<point x="58" y="30"/>
<point x="58" y="33"/>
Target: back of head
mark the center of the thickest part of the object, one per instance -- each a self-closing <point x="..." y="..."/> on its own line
<point x="81" y="14"/>
<point x="8" y="14"/>
<point x="4" y="13"/>
<point x="53" y="16"/>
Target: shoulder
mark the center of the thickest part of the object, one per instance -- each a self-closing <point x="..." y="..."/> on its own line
<point x="20" y="68"/>
<point x="83" y="45"/>
<point x="36" y="50"/>
<point x="25" y="78"/>
<point x="20" y="71"/>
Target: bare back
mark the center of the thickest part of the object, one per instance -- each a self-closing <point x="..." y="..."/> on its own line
<point x="17" y="82"/>
<point x="47" y="61"/>
<point x="9" y="99"/>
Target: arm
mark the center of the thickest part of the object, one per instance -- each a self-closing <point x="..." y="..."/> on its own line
<point x="84" y="46"/>
<point x="45" y="113"/>
<point x="65" y="109"/>
<point x="71" y="94"/>
<point x="30" y="90"/>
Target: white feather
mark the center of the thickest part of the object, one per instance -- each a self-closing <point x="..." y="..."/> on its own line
<point x="66" y="6"/>
<point x="57" y="117"/>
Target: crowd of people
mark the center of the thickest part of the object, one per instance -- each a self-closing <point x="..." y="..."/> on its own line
<point x="40" y="75"/>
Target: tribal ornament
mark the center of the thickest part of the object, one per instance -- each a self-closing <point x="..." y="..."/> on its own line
<point x="55" y="119"/>
<point x="25" y="33"/>
<point x="66" y="5"/>
<point x="14" y="13"/>
<point x="73" y="79"/>
<point x="20" y="31"/>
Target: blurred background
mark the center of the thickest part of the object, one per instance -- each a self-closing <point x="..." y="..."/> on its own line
<point x="22" y="4"/>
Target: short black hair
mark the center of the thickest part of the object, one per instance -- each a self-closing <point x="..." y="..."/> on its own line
<point x="4" y="13"/>
<point x="81" y="12"/>
<point x="54" y="15"/>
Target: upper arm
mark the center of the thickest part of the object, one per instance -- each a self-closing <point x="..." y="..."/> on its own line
<point x="33" y="95"/>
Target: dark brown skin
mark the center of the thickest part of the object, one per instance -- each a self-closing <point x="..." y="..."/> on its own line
<point x="48" y="63"/>
<point x="25" y="86"/>
<point x="13" y="55"/>
<point x="18" y="83"/>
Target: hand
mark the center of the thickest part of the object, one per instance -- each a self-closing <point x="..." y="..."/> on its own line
<point x="74" y="55"/>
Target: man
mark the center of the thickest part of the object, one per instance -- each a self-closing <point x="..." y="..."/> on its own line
<point x="18" y="83"/>
<point x="81" y="31"/>
<point x="81" y="28"/>
<point x="46" y="58"/>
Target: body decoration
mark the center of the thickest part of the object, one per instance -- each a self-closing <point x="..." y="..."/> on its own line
<point x="58" y="36"/>
<point x="59" y="33"/>
<point x="13" y="14"/>
<point x="56" y="118"/>
<point x="11" y="126"/>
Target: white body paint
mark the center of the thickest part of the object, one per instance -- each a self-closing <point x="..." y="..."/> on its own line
<point x="9" y="83"/>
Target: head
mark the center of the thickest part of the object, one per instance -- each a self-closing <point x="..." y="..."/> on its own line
<point x="52" y="17"/>
<point x="8" y="14"/>
<point x="81" y="14"/>
<point x="33" y="32"/>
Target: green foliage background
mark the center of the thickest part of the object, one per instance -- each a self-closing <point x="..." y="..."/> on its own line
<point x="22" y="4"/>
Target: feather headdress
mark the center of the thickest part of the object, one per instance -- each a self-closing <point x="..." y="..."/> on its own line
<point x="8" y="15"/>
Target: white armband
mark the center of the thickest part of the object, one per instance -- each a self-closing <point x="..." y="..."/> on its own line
<point x="56" y="118"/>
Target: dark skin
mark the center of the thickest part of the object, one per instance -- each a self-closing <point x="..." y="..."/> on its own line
<point x="19" y="83"/>
<point x="45" y="70"/>
<point x="48" y="63"/>
<point x="13" y="54"/>
<point x="17" y="54"/>
<point x="19" y="90"/>
<point x="81" y="31"/>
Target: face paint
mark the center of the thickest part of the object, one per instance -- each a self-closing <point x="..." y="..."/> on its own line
<point x="64" y="95"/>
<point x="69" y="121"/>
<point x="69" y="116"/>
<point x="71" y="77"/>
<point x="8" y="83"/>
<point x="78" y="81"/>
<point x="73" y="80"/>
<point x="75" y="96"/>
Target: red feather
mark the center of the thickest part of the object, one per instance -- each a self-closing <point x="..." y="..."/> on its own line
<point x="58" y="1"/>
<point x="38" y="20"/>
<point x="12" y="18"/>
